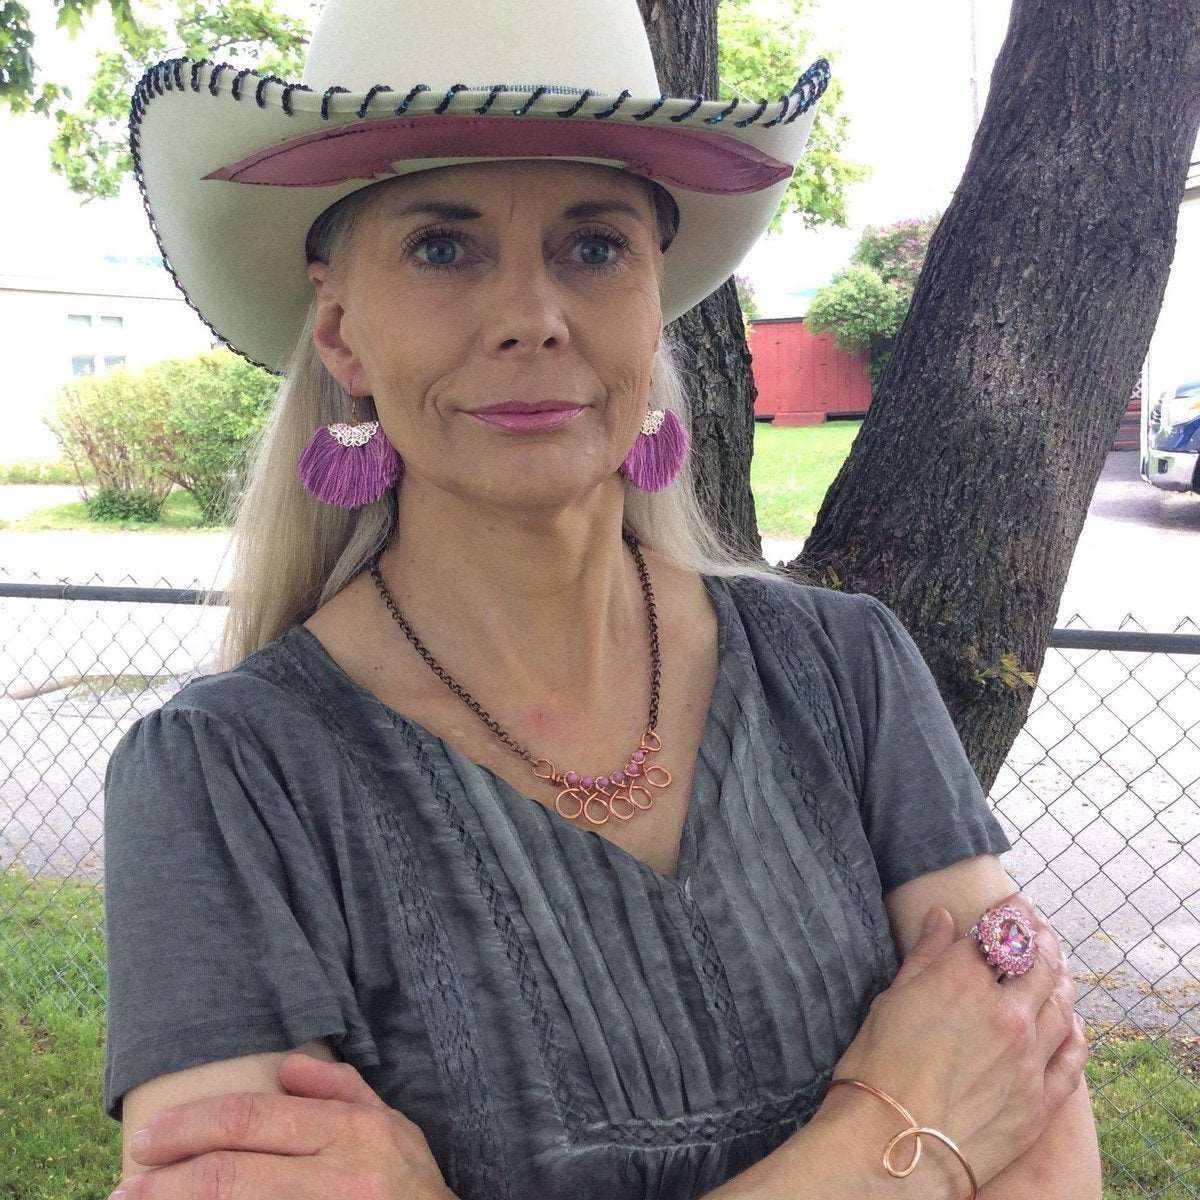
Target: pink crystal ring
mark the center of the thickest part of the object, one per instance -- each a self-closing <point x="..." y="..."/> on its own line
<point x="1007" y="939"/>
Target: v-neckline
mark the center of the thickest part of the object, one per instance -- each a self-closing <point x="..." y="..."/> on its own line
<point x="681" y="880"/>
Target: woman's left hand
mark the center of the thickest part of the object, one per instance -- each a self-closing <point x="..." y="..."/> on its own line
<point x="330" y="1135"/>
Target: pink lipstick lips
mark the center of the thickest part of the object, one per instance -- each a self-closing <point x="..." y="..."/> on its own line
<point x="526" y="417"/>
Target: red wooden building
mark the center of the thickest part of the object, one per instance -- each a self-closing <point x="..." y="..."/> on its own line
<point x="803" y="378"/>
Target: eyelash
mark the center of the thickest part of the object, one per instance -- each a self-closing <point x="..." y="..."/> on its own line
<point x="439" y="233"/>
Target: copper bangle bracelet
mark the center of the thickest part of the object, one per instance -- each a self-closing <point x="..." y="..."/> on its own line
<point x="913" y="1130"/>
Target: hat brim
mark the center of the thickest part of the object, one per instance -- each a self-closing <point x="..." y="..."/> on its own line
<point x="231" y="193"/>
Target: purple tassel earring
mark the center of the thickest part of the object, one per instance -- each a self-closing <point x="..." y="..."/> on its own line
<point x="350" y="465"/>
<point x="658" y="453"/>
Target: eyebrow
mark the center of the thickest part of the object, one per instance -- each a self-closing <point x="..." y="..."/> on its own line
<point x="448" y="211"/>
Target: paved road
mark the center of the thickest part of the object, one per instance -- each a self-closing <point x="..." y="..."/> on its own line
<point x="1109" y="845"/>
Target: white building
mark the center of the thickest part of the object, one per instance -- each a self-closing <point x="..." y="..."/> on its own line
<point x="56" y="326"/>
<point x="82" y="286"/>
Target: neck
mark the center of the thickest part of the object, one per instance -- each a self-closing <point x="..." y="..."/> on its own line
<point x="549" y="602"/>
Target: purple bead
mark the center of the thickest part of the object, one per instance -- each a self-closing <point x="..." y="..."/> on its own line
<point x="638" y="756"/>
<point x="586" y="783"/>
<point x="633" y="768"/>
<point x="572" y="778"/>
<point x="618" y="777"/>
<point x="602" y="782"/>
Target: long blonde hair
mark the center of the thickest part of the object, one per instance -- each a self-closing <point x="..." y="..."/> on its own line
<point x="292" y="553"/>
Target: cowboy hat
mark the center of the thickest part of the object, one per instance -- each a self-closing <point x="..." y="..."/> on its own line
<point x="234" y="167"/>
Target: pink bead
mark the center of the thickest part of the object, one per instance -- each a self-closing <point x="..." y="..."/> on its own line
<point x="572" y="778"/>
<point x="633" y="768"/>
<point x="586" y="783"/>
<point x="638" y="756"/>
<point x="602" y="782"/>
<point x="618" y="777"/>
<point x="1012" y="939"/>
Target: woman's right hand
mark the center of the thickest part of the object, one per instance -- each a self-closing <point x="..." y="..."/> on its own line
<point x="985" y="1063"/>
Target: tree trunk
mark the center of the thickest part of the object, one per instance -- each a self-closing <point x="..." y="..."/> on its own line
<point x="710" y="339"/>
<point x="968" y="484"/>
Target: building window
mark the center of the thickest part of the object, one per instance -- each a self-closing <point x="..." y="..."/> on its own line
<point x="84" y="364"/>
<point x="79" y="320"/>
<point x="117" y="360"/>
<point x="112" y="322"/>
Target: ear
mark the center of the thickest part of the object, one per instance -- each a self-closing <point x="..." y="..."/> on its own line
<point x="336" y="353"/>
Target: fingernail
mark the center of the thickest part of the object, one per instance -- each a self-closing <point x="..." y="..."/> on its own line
<point x="141" y="1140"/>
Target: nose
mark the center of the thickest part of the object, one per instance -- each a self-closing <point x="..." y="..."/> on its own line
<point x="526" y="307"/>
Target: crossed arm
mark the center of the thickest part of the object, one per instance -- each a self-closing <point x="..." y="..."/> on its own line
<point x="1064" y="1163"/>
<point x="189" y="1118"/>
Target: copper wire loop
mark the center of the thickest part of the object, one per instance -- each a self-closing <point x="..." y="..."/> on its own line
<point x="913" y="1130"/>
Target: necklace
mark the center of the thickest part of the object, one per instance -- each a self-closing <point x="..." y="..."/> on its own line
<point x="594" y="797"/>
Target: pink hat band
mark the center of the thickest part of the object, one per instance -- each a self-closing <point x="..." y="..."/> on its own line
<point x="691" y="159"/>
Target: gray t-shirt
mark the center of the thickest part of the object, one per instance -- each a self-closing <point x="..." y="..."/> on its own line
<point x="288" y="858"/>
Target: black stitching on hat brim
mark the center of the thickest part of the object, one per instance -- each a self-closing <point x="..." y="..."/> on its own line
<point x="167" y="75"/>
<point x="809" y="87"/>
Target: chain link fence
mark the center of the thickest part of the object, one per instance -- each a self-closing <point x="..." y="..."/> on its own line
<point x="1100" y="796"/>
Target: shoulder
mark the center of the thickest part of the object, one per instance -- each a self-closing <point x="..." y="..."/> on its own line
<point x="257" y="706"/>
<point x="789" y="607"/>
<point x="854" y="636"/>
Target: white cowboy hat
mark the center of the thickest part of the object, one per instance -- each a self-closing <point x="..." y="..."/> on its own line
<point x="234" y="167"/>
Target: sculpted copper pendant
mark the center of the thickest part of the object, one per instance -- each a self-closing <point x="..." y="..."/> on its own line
<point x="619" y="794"/>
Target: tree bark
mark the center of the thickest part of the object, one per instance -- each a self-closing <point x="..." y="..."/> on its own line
<point x="710" y="339"/>
<point x="964" y="495"/>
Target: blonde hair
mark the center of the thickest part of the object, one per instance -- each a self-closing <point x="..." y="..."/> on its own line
<point x="292" y="553"/>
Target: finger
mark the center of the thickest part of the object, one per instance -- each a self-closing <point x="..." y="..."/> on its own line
<point x="1065" y="1068"/>
<point x="1035" y="985"/>
<point x="254" y="1121"/>
<point x="1056" y="1018"/>
<point x="303" y="1075"/>
<point x="238" y="1176"/>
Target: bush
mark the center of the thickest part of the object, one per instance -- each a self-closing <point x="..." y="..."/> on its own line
<point x="112" y="504"/>
<point x="864" y="305"/>
<point x="183" y="421"/>
<point x="861" y="311"/>
<point x="215" y="404"/>
<point x="114" y="425"/>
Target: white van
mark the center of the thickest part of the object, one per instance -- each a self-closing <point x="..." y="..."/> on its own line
<point x="1171" y="439"/>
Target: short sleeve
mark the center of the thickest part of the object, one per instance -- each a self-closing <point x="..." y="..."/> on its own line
<point x="923" y="807"/>
<point x="223" y="934"/>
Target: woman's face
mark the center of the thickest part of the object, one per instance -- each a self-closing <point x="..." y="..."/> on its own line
<point x="476" y="284"/>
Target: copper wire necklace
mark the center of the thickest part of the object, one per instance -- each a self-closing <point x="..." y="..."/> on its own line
<point x="613" y="795"/>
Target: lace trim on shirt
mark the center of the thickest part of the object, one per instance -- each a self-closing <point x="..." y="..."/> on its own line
<point x="477" y="1166"/>
<point x="812" y="694"/>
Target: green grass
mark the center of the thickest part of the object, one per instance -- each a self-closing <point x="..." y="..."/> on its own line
<point x="791" y="471"/>
<point x="31" y="471"/>
<point x="1147" y="1106"/>
<point x="56" y="1143"/>
<point x="180" y="513"/>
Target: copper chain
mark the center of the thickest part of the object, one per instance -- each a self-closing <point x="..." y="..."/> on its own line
<point x="473" y="704"/>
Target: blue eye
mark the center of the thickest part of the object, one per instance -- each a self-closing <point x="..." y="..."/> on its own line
<point x="442" y="243"/>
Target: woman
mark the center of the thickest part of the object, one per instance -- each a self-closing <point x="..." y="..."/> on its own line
<point x="566" y="827"/>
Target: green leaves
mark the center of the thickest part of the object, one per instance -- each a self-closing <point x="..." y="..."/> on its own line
<point x="859" y="308"/>
<point x="761" y="51"/>
<point x="89" y="148"/>
<point x="17" y="65"/>
<point x="864" y="305"/>
<point x="188" y="422"/>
